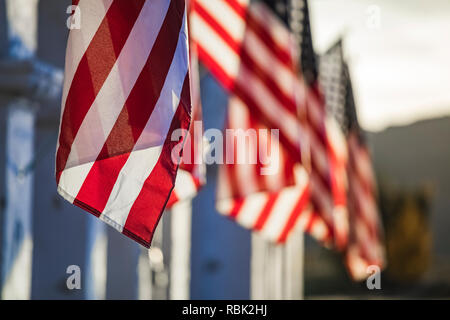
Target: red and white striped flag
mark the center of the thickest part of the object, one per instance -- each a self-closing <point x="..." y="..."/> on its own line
<point x="251" y="52"/>
<point x="326" y="142"/>
<point x="126" y="91"/>
<point x="364" y="247"/>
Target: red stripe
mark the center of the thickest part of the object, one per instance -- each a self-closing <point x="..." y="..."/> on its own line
<point x="149" y="205"/>
<point x="294" y="215"/>
<point x="289" y="164"/>
<point x="265" y="212"/>
<point x="132" y="120"/>
<point x="238" y="8"/>
<point x="236" y="209"/>
<point x="313" y="218"/>
<point x="93" y="70"/>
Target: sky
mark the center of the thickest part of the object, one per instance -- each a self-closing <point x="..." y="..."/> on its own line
<point x="398" y="52"/>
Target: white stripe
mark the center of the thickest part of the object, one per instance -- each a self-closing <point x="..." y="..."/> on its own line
<point x="224" y="206"/>
<point x="133" y="174"/>
<point x="318" y="229"/>
<point x="110" y="100"/>
<point x="185" y="186"/>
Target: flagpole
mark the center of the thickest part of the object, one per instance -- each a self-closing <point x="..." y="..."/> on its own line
<point x="17" y="245"/>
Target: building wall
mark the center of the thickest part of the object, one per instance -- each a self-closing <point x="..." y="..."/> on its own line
<point x="220" y="260"/>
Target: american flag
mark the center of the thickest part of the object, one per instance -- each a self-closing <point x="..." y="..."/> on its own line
<point x="326" y="142"/>
<point x="251" y="51"/>
<point x="365" y="245"/>
<point x="126" y="90"/>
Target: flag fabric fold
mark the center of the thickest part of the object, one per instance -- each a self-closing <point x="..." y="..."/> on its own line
<point x="126" y="90"/>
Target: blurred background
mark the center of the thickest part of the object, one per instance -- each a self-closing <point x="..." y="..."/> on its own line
<point x="397" y="52"/>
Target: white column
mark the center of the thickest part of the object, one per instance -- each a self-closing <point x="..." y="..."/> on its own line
<point x="294" y="266"/>
<point x="180" y="266"/>
<point x="277" y="270"/>
<point x="17" y="242"/>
